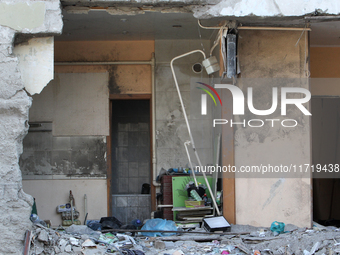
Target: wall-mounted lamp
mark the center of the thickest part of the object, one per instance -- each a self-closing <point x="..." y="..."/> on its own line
<point x="211" y="66"/>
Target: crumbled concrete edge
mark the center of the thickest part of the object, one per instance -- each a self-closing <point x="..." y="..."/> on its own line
<point x="15" y="204"/>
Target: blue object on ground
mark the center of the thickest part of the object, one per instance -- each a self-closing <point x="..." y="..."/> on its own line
<point x="159" y="224"/>
<point x="277" y="227"/>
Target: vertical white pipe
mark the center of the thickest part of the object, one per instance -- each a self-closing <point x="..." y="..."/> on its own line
<point x="191" y="166"/>
<point x="153" y="103"/>
<point x="188" y="125"/>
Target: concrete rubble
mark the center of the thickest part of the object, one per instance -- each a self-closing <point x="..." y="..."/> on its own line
<point x="242" y="239"/>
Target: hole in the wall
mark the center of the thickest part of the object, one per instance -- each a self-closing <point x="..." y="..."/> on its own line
<point x="197" y="68"/>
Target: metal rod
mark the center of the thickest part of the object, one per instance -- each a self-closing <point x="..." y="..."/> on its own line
<point x="170" y="231"/>
<point x="165" y="206"/>
<point x="27" y="244"/>
<point x="322" y="17"/>
<point x="153" y="105"/>
<point x="192" y="168"/>
<point x="204" y="27"/>
<point x="85" y="207"/>
<point x="263" y="28"/>
<point x="71" y="63"/>
<point x="275" y="28"/>
<point x="187" y="122"/>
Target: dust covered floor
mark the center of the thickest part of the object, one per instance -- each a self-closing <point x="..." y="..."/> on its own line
<point x="241" y="240"/>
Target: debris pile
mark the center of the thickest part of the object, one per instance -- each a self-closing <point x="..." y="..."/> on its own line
<point x="242" y="239"/>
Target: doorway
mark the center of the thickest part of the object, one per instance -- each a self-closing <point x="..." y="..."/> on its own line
<point x="130" y="159"/>
<point x="326" y="152"/>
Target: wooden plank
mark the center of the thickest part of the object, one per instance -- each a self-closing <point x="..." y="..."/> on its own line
<point x="108" y="164"/>
<point x="228" y="182"/>
<point x="153" y="188"/>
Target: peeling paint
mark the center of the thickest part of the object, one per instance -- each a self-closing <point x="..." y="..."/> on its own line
<point x="36" y="63"/>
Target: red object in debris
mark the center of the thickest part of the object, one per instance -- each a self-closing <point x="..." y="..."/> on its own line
<point x="225" y="252"/>
<point x="257" y="252"/>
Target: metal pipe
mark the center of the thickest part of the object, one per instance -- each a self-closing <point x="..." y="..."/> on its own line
<point x="260" y="28"/>
<point x="192" y="168"/>
<point x="27" y="243"/>
<point x="173" y="231"/>
<point x="187" y="122"/>
<point x="165" y="206"/>
<point x="85" y="206"/>
<point x="275" y="28"/>
<point x="199" y="23"/>
<point x="153" y="99"/>
<point x="72" y="63"/>
<point x="322" y="17"/>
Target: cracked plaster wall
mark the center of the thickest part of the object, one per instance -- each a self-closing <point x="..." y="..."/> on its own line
<point x="260" y="201"/>
<point x="15" y="204"/>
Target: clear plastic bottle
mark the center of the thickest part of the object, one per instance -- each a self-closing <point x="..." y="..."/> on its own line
<point x="35" y="218"/>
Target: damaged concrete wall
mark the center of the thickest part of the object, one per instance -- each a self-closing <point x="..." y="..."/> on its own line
<point x="268" y="8"/>
<point x="15" y="205"/>
<point x="36" y="63"/>
<point x="77" y="107"/>
<point x="260" y="201"/>
<point x="171" y="130"/>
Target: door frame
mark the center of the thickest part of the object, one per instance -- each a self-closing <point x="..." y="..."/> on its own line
<point x="109" y="146"/>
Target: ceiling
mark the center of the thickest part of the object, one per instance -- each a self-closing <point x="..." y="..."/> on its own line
<point x="100" y="25"/>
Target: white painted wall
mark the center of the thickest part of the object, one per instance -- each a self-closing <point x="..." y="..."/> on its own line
<point x="76" y="103"/>
<point x="49" y="194"/>
<point x="31" y="16"/>
<point x="36" y="63"/>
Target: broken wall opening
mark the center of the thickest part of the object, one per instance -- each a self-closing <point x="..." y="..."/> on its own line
<point x="131" y="159"/>
<point x="72" y="153"/>
<point x="325" y="67"/>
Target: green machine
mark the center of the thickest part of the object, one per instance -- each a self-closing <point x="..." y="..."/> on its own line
<point x="179" y="192"/>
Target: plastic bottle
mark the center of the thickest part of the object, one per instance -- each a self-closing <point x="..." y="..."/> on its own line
<point x="205" y="199"/>
<point x="137" y="223"/>
<point x="34" y="218"/>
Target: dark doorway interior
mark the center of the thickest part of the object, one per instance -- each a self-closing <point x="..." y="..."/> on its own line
<point x="326" y="152"/>
<point x="130" y="136"/>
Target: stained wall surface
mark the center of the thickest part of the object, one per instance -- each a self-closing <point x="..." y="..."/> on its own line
<point x="260" y="201"/>
<point x="56" y="192"/>
<point x="69" y="152"/>
<point x="171" y="130"/>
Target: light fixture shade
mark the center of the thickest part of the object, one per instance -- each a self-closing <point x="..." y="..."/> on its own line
<point x="211" y="65"/>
